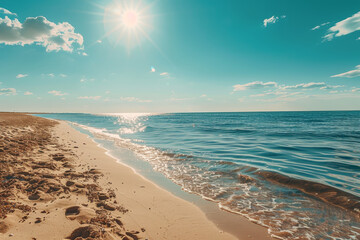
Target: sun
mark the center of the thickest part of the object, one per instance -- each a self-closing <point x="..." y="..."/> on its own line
<point x="130" y="18"/>
<point x="128" y="22"/>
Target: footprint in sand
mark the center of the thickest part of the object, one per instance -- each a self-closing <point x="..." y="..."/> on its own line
<point x="86" y="232"/>
<point x="75" y="210"/>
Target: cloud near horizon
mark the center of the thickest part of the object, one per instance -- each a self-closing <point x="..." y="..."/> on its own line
<point x="27" y="93"/>
<point x="278" y="94"/>
<point x="57" y="93"/>
<point x="21" y="75"/>
<point x="306" y="85"/>
<point x="253" y="85"/>
<point x="134" y="99"/>
<point x="7" y="91"/>
<point x="6" y="12"/>
<point x="281" y="89"/>
<point x="40" y="31"/>
<point x="272" y="20"/>
<point x="90" y="97"/>
<point x="344" y="27"/>
<point x="350" y="74"/>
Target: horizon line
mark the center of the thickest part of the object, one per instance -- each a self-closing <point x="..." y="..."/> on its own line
<point x="255" y="111"/>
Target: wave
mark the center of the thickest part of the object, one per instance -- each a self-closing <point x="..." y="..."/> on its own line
<point x="321" y="191"/>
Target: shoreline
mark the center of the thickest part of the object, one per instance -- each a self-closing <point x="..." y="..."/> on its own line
<point x="56" y="174"/>
<point x="224" y="220"/>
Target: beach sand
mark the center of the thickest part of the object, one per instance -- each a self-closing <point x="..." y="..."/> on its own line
<point x="56" y="183"/>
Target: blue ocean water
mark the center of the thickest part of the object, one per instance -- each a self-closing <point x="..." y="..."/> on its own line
<point x="220" y="155"/>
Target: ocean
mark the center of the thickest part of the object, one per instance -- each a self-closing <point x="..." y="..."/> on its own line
<point x="296" y="173"/>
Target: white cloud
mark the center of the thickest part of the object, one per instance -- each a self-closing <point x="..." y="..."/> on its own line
<point x="301" y="91"/>
<point x="281" y="89"/>
<point x="253" y="85"/>
<point x="204" y="95"/>
<point x="279" y="94"/>
<point x="134" y="99"/>
<point x="331" y="87"/>
<point x="272" y="20"/>
<point x="165" y="75"/>
<point x="7" y="91"/>
<point x="319" y="26"/>
<point x="152" y="69"/>
<point x="90" y="97"/>
<point x="5" y="11"/>
<point x="84" y="54"/>
<point x="287" y="93"/>
<point x="21" y="75"/>
<point x="40" y="31"/>
<point x="27" y="93"/>
<point x="265" y="94"/>
<point x="86" y="80"/>
<point x="57" y="93"/>
<point x="306" y="85"/>
<point x="311" y="85"/>
<point x="99" y="41"/>
<point x="63" y="75"/>
<point x="48" y="75"/>
<point x="350" y="74"/>
<point x="344" y="27"/>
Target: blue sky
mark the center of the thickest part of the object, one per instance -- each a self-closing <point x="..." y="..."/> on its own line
<point x="179" y="56"/>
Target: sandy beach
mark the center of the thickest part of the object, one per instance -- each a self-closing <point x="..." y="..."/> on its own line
<point x="177" y="120"/>
<point x="58" y="184"/>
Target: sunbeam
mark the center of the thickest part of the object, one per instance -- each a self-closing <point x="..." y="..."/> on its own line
<point x="128" y="23"/>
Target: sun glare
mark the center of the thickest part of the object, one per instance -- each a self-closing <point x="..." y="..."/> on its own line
<point x="130" y="18"/>
<point x="127" y="22"/>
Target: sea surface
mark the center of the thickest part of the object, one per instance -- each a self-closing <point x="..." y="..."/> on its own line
<point x="297" y="173"/>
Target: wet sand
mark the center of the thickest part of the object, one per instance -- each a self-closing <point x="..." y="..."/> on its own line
<point x="56" y="183"/>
